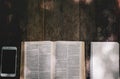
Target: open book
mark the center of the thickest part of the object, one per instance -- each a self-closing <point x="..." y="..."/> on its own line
<point x="53" y="60"/>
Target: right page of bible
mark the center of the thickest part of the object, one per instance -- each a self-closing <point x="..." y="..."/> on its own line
<point x="104" y="60"/>
<point x="70" y="60"/>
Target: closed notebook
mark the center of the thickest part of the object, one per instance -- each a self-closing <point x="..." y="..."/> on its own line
<point x="104" y="60"/>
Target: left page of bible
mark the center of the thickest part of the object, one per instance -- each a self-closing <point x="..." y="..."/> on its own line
<point x="37" y="60"/>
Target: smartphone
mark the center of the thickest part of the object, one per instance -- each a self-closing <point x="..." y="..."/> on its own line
<point x="8" y="61"/>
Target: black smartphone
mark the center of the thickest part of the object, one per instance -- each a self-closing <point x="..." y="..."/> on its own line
<point x="8" y="61"/>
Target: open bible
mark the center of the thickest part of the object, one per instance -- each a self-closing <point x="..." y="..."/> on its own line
<point x="53" y="60"/>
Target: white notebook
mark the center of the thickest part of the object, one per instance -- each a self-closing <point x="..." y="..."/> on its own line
<point x="104" y="60"/>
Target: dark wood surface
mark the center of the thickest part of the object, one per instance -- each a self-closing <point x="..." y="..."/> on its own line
<point x="40" y="20"/>
<point x="59" y="20"/>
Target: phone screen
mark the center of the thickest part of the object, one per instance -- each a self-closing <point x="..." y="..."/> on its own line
<point x="8" y="61"/>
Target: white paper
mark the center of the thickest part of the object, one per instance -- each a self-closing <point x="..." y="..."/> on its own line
<point x="104" y="60"/>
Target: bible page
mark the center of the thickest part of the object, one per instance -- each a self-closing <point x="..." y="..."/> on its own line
<point x="70" y="60"/>
<point x="38" y="60"/>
